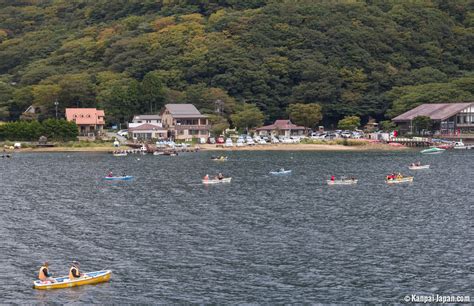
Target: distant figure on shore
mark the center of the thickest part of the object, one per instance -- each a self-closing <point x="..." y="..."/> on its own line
<point x="44" y="274"/>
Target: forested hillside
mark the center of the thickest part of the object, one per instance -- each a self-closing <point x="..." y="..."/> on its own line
<point x="368" y="58"/>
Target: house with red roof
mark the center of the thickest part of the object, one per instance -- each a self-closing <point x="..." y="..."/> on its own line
<point x="281" y="128"/>
<point x="90" y="121"/>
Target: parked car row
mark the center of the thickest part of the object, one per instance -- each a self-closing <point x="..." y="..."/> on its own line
<point x="246" y="140"/>
<point x="337" y="134"/>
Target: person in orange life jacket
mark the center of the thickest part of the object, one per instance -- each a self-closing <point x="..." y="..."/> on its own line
<point x="44" y="274"/>
<point x="74" y="271"/>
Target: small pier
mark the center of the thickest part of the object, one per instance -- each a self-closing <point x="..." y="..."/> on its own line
<point x="413" y="142"/>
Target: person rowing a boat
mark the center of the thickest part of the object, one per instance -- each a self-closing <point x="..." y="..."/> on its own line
<point x="206" y="177"/>
<point x="333" y="178"/>
<point x="220" y="176"/>
<point x="44" y="274"/>
<point x="74" y="272"/>
<point x="282" y="170"/>
<point x="110" y="174"/>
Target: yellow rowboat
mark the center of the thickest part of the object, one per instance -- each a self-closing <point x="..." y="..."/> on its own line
<point x="64" y="282"/>
<point x="407" y="179"/>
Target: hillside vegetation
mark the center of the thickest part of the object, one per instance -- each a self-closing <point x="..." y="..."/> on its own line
<point x="367" y="58"/>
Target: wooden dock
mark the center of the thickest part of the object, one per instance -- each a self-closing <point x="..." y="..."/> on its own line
<point x="413" y="142"/>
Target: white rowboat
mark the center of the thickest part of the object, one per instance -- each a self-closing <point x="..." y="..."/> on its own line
<point x="280" y="172"/>
<point x="342" y="182"/>
<point x="214" y="181"/>
<point x="419" y="167"/>
<point x="120" y="154"/>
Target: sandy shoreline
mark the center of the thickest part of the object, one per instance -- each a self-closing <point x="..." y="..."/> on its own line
<point x="306" y="147"/>
<point x="211" y="147"/>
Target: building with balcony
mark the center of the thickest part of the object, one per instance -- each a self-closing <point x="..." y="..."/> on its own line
<point x="184" y="122"/>
<point x="90" y="121"/>
<point x="448" y="118"/>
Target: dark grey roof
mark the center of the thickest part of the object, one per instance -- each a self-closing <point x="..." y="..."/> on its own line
<point x="436" y="111"/>
<point x="182" y="109"/>
<point x="146" y="117"/>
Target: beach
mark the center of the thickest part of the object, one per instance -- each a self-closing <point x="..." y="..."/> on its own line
<point x="213" y="147"/>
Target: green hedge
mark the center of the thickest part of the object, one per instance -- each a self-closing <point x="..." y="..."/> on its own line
<point x="60" y="130"/>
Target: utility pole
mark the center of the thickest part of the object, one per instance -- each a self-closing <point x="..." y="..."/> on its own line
<point x="56" y="103"/>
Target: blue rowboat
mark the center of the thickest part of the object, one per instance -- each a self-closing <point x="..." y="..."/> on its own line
<point x="119" y="178"/>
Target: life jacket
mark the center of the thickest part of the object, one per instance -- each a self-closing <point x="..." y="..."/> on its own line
<point x="71" y="275"/>
<point x="41" y="274"/>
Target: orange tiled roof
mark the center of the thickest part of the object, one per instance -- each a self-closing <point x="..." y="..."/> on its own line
<point x="80" y="116"/>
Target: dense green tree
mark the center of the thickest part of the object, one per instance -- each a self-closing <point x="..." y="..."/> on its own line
<point x="307" y="115"/>
<point x="349" y="123"/>
<point x="152" y="94"/>
<point x="422" y="124"/>
<point x="353" y="57"/>
<point x="407" y="97"/>
<point x="387" y="125"/>
<point x="219" y="124"/>
<point x="247" y="117"/>
<point x="53" y="129"/>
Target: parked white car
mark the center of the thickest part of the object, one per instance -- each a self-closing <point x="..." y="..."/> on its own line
<point x="228" y="143"/>
<point x="262" y="142"/>
<point x="250" y="141"/>
<point x="286" y="140"/>
<point x="275" y="140"/>
<point x="240" y="142"/>
<point x="123" y="133"/>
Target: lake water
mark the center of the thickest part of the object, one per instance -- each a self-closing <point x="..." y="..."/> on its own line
<point x="260" y="239"/>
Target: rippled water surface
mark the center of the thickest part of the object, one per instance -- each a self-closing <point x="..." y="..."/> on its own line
<point x="169" y="239"/>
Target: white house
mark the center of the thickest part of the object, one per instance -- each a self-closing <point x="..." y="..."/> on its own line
<point x="145" y="119"/>
<point x="147" y="131"/>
